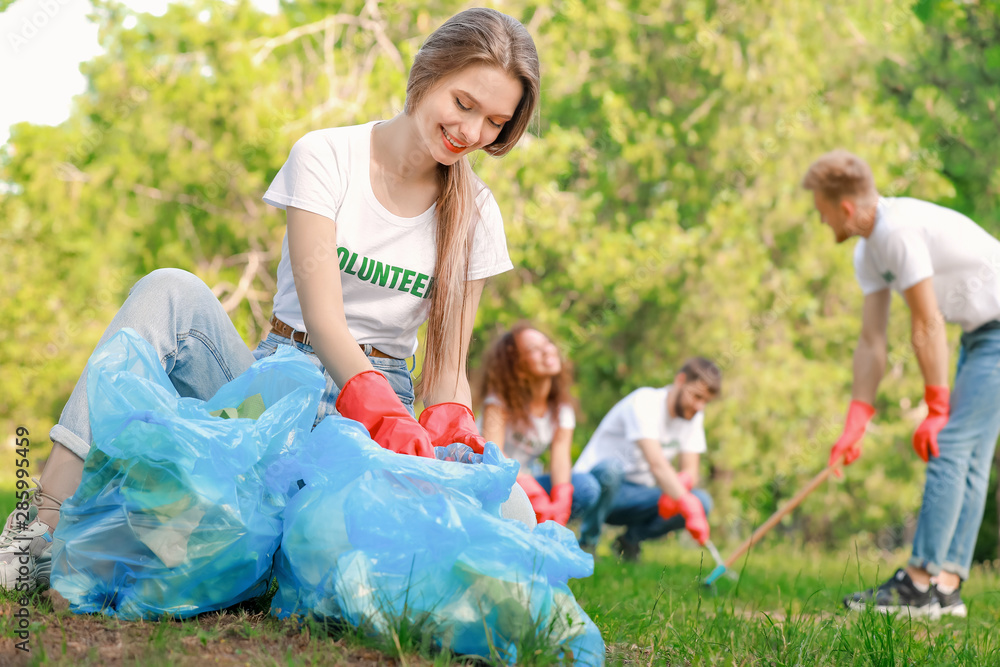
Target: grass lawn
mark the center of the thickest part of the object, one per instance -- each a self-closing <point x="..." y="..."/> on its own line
<point x="784" y="610"/>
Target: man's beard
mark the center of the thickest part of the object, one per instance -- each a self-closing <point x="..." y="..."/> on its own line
<point x="678" y="406"/>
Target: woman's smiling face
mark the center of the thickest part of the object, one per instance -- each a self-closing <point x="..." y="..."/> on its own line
<point x="539" y="355"/>
<point x="466" y="111"/>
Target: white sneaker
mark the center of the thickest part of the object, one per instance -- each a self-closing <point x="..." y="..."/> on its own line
<point x="25" y="549"/>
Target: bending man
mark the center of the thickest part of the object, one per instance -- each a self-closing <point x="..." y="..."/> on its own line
<point x="945" y="266"/>
<point x="630" y="456"/>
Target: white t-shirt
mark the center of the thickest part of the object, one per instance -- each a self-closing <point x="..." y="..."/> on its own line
<point x="386" y="261"/>
<point x="641" y="415"/>
<point x="914" y="240"/>
<point x="524" y="445"/>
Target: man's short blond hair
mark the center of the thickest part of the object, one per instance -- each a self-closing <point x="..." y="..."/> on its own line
<point x="700" y="368"/>
<point x="840" y="174"/>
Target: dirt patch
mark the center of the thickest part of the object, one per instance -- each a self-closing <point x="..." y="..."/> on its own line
<point x="63" y="638"/>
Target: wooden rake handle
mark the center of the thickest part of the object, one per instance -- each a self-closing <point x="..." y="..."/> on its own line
<point x="780" y="514"/>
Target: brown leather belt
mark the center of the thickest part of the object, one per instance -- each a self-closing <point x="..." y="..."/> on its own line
<point x="286" y="331"/>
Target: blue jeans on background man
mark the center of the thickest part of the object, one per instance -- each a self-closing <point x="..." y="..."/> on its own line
<point x="622" y="503"/>
<point x="636" y="507"/>
<point x="609" y="476"/>
<point x="955" y="490"/>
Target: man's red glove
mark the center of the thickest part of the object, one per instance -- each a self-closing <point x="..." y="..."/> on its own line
<point x="448" y="423"/>
<point x="540" y="501"/>
<point x="925" y="438"/>
<point x="368" y="398"/>
<point x="562" y="503"/>
<point x="848" y="446"/>
<point x="689" y="507"/>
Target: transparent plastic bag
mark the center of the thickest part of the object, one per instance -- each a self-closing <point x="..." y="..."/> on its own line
<point x="379" y="540"/>
<point x="174" y="514"/>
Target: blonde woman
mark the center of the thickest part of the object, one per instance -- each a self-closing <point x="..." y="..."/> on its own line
<point x="387" y="227"/>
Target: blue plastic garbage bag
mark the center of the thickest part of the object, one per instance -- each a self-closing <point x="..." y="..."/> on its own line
<point x="378" y="540"/>
<point x="457" y="451"/>
<point x="174" y="514"/>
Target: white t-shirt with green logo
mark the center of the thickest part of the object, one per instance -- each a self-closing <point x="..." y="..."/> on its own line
<point x="914" y="240"/>
<point x="386" y="261"/>
<point x="526" y="442"/>
<point x="639" y="416"/>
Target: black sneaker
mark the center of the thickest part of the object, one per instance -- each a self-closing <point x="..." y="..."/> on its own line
<point x="950" y="603"/>
<point x="628" y="550"/>
<point x="898" y="595"/>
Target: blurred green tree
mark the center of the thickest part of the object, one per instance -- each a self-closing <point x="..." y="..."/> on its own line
<point x="653" y="212"/>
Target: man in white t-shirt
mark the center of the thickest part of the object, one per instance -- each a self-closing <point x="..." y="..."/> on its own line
<point x="633" y="454"/>
<point x="947" y="269"/>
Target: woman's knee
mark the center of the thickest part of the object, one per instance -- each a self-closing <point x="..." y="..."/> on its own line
<point x="166" y="283"/>
<point x="169" y="293"/>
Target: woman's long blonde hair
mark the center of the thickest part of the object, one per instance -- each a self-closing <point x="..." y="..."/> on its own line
<point x="473" y="37"/>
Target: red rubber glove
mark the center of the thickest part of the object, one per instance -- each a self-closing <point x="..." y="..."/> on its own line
<point x="448" y="423"/>
<point x="562" y="503"/>
<point x="686" y="480"/>
<point x="540" y="501"/>
<point x="925" y="438"/>
<point x="848" y="446"/>
<point x="368" y="398"/>
<point x="689" y="507"/>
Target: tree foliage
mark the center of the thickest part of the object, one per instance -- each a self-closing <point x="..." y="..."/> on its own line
<point x="653" y="212"/>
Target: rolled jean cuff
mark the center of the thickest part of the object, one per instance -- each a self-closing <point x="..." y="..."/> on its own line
<point x="69" y="440"/>
<point x="932" y="568"/>
<point x="954" y="568"/>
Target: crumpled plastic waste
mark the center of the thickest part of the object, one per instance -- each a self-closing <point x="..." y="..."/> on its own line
<point x="183" y="503"/>
<point x="378" y="540"/>
<point x="457" y="452"/>
<point x="174" y="514"/>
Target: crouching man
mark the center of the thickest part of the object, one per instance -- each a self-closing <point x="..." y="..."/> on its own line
<point x="645" y="455"/>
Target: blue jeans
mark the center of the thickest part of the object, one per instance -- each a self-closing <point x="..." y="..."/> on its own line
<point x="633" y="505"/>
<point x="586" y="492"/>
<point x="200" y="350"/>
<point x="609" y="477"/>
<point x="636" y="507"/>
<point x="955" y="489"/>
